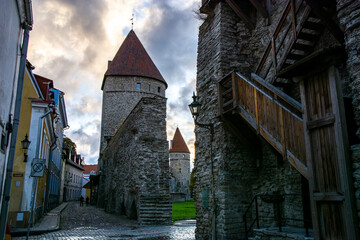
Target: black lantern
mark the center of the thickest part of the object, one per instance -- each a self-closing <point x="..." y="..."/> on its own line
<point x="25" y="145"/>
<point x="194" y="107"/>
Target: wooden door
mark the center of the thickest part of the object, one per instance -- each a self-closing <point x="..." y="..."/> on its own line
<point x="326" y="154"/>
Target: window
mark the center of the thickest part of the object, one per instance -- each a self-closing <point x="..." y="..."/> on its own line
<point x="159" y="88"/>
<point x="138" y="86"/>
<point x="179" y="170"/>
<point x="3" y="139"/>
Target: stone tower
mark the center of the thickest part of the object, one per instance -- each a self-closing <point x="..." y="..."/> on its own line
<point x="179" y="155"/>
<point x="130" y="76"/>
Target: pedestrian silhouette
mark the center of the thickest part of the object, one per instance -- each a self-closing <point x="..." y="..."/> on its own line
<point x="81" y="201"/>
<point x="87" y="201"/>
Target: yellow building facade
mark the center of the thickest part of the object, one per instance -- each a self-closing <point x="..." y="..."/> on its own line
<point x="32" y="106"/>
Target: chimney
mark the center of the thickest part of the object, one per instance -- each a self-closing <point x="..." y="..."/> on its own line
<point x="171" y="144"/>
<point x="109" y="63"/>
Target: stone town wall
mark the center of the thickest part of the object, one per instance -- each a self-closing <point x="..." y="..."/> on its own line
<point x="120" y="96"/>
<point x="180" y="169"/>
<point x="135" y="172"/>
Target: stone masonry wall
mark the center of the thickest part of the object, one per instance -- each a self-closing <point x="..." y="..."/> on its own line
<point x="120" y="96"/>
<point x="240" y="169"/>
<point x="135" y="173"/>
<point x="349" y="17"/>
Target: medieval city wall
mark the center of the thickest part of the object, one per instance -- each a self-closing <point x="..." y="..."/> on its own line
<point x="135" y="170"/>
<point x="123" y="89"/>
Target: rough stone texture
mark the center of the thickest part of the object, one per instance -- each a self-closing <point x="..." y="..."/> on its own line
<point x="135" y="166"/>
<point x="180" y="171"/>
<point x="241" y="170"/>
<point x="120" y="96"/>
<point x="355" y="156"/>
<point x="349" y="17"/>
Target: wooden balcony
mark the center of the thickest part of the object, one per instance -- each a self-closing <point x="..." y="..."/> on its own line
<point x="271" y="113"/>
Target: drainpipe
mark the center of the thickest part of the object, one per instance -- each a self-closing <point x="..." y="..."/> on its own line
<point x="10" y="163"/>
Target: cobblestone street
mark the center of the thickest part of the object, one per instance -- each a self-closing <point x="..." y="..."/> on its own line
<point x="89" y="222"/>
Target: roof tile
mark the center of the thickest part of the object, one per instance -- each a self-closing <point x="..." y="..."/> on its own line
<point x="178" y="143"/>
<point x="133" y="60"/>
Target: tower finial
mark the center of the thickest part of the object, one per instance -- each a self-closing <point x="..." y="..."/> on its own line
<point x="132" y="22"/>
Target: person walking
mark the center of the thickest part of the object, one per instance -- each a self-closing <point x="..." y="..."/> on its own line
<point x="81" y="201"/>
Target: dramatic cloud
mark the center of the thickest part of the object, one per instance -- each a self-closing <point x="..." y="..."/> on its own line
<point x="73" y="40"/>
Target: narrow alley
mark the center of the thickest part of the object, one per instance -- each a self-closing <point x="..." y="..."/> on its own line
<point x="89" y="222"/>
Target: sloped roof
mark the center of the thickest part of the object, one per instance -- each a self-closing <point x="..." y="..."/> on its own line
<point x="178" y="143"/>
<point x="89" y="168"/>
<point x="45" y="85"/>
<point x="132" y="60"/>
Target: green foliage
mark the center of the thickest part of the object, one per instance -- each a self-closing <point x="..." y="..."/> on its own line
<point x="183" y="210"/>
<point x="192" y="183"/>
<point x="69" y="143"/>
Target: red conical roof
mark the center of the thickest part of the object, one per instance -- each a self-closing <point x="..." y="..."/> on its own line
<point x="133" y="60"/>
<point x="178" y="144"/>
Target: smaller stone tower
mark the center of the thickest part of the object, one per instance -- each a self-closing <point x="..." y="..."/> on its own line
<point x="179" y="155"/>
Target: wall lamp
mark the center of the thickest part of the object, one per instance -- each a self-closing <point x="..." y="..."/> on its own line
<point x="25" y="145"/>
<point x="195" y="107"/>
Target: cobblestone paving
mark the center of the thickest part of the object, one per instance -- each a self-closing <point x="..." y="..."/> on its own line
<point x="89" y="222"/>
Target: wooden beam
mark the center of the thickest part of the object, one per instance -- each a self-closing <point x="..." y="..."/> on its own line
<point x="326" y="20"/>
<point x="260" y="8"/>
<point x="235" y="7"/>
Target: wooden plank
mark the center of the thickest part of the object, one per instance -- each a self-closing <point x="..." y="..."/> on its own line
<point x="320" y="122"/>
<point x="328" y="197"/>
<point x="309" y="163"/>
<point x="298" y="165"/>
<point x="235" y="89"/>
<point x="256" y="111"/>
<point x="249" y="24"/>
<point x="293" y="18"/>
<point x="283" y="133"/>
<point x="349" y="208"/>
<point x="273" y="48"/>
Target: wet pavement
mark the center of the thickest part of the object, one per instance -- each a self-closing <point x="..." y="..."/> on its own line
<point x="89" y="222"/>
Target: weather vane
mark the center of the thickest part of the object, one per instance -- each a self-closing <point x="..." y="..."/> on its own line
<point x="132" y="22"/>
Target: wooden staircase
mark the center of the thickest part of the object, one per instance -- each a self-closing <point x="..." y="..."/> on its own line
<point x="269" y="112"/>
<point x="294" y="38"/>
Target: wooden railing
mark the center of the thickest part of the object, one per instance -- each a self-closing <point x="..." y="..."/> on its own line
<point x="274" y="115"/>
<point x="280" y="37"/>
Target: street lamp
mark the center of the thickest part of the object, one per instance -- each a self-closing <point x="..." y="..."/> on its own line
<point x="25" y="145"/>
<point x="195" y="108"/>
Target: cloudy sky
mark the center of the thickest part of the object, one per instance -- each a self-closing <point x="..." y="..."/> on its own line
<point x="72" y="41"/>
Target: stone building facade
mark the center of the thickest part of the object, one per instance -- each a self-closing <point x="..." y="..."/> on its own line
<point x="131" y="75"/>
<point x="135" y="179"/>
<point x="242" y="165"/>
<point x="134" y="156"/>
<point x="179" y="155"/>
